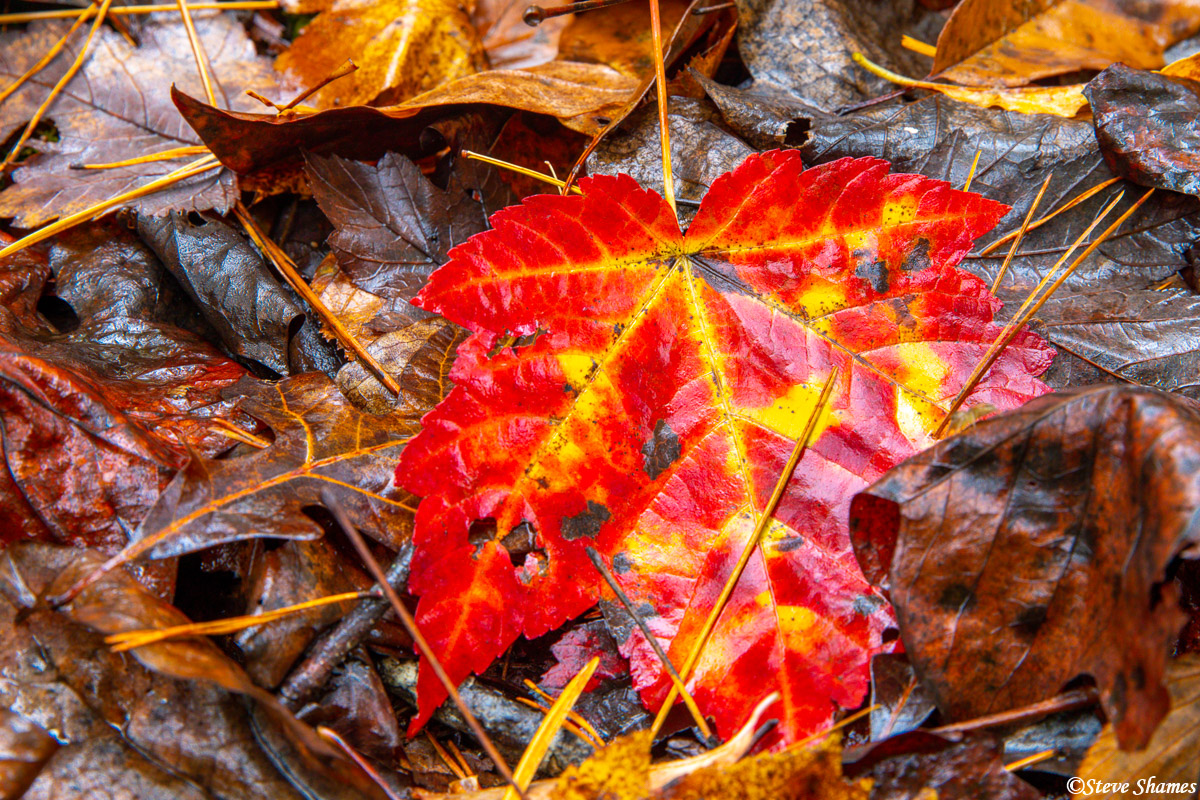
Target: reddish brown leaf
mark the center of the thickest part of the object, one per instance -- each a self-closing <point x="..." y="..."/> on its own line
<point x="1034" y="549"/>
<point x="653" y="396"/>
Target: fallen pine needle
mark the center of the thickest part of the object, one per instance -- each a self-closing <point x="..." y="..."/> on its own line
<point x="165" y="155"/>
<point x="529" y="173"/>
<point x="1012" y="251"/>
<point x="86" y="13"/>
<point x="1065" y="207"/>
<point x="330" y="735"/>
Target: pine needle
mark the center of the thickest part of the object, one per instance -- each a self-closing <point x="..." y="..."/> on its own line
<point x="86" y="13"/>
<point x="164" y="155"/>
<point x="664" y="128"/>
<point x="197" y="51"/>
<point x="1012" y="251"/>
<point x="1038" y="223"/>
<point x="971" y="174"/>
<point x="529" y="173"/>
<point x="54" y="50"/>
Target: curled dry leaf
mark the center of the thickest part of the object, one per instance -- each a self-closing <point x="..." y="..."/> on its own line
<point x="649" y="363"/>
<point x="1148" y="126"/>
<point x="119" y="107"/>
<point x="1034" y="549"/>
<point x="1173" y="754"/>
<point x="1015" y="42"/>
<point x="320" y="442"/>
<point x="401" y="48"/>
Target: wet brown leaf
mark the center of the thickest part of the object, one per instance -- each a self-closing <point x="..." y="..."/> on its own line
<point x="1015" y="42"/>
<point x="24" y="750"/>
<point x="619" y="37"/>
<point x="1033" y="549"/>
<point x="1148" y="126"/>
<point x="419" y="356"/>
<point x="508" y="42"/>
<point x="320" y="442"/>
<point x="401" y="47"/>
<point x="119" y="107"/>
<point x="1173" y="754"/>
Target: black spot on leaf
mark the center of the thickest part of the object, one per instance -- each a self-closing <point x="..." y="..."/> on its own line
<point x="585" y="523"/>
<point x="661" y="451"/>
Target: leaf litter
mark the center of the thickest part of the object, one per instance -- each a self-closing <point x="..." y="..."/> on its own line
<point x="182" y="407"/>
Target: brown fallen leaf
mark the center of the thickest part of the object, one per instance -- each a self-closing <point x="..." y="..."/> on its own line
<point x="508" y="42"/>
<point x="320" y="442"/>
<point x="401" y="48"/>
<point x="118" y="107"/>
<point x="24" y="750"/>
<point x="1015" y="42"/>
<point x="1031" y="550"/>
<point x="1172" y="756"/>
<point x="418" y="356"/>
<point x="619" y="37"/>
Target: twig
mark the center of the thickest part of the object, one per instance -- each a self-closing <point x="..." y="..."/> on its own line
<point x="535" y="15"/>
<point x="284" y="264"/>
<point x="1067" y="701"/>
<point x="751" y="545"/>
<point x="652" y="640"/>
<point x="331" y="502"/>
<point x="333" y="646"/>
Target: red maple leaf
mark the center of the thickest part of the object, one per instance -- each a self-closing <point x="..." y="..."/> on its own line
<point x="653" y="397"/>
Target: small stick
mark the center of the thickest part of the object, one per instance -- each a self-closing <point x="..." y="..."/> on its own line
<point x="751" y="544"/>
<point x="128" y="640"/>
<point x="971" y="174"/>
<point x="1033" y="303"/>
<point x="652" y="640"/>
<point x="197" y="51"/>
<point x="664" y="130"/>
<point x="1012" y="251"/>
<point x="1069" y="205"/>
<point x="86" y="13"/>
<point x="1067" y="701"/>
<point x="446" y="758"/>
<point x="333" y="646"/>
<point x="165" y="155"/>
<point x="284" y="264"/>
<point x="855" y="717"/>
<point x="341" y="72"/>
<point x="535" y="15"/>
<point x="76" y="65"/>
<point x="331" y="502"/>
<point x="183" y="173"/>
<point x="330" y="735"/>
<point x="531" y="173"/>
<point x="46" y="59"/>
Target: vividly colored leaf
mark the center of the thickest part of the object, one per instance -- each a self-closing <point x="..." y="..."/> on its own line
<point x="636" y="389"/>
<point x="1015" y="42"/>
<point x="1035" y="548"/>
<point x="1148" y="126"/>
<point x="401" y="47"/>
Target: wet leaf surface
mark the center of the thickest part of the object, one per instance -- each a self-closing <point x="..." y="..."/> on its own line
<point x="723" y="299"/>
<point x="1148" y="126"/>
<point x="119" y="107"/>
<point x="1026" y="552"/>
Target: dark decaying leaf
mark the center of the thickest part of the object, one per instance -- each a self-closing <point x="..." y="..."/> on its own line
<point x="939" y="137"/>
<point x="1033" y="549"/>
<point x="162" y="723"/>
<point x="1148" y="126"/>
<point x="761" y="115"/>
<point x="358" y="707"/>
<point x="392" y="226"/>
<point x="701" y="151"/>
<point x="911" y="766"/>
<point x="903" y="703"/>
<point x="1173" y="755"/>
<point x="228" y="280"/>
<point x="321" y="442"/>
<point x="1124" y="335"/>
<point x="119" y="107"/>
<point x="803" y="47"/>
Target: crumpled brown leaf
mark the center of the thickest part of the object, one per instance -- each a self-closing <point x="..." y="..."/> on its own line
<point x="119" y="107"/>
<point x="1034" y="548"/>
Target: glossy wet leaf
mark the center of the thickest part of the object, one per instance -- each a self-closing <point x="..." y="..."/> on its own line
<point x="1148" y="126"/>
<point x="119" y="107"/>
<point x="651" y="363"/>
<point x="321" y="442"/>
<point x="1015" y="42"/>
<point x="1030" y="550"/>
<point x="401" y="47"/>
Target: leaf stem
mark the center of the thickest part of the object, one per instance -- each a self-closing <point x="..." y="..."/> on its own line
<point x="751" y="545"/>
<point x="287" y="268"/>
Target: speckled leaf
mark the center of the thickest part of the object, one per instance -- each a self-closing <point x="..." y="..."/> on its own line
<point x="637" y="389"/>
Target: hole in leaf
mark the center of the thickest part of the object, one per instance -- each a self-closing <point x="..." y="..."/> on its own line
<point x="59" y="313"/>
